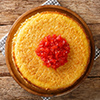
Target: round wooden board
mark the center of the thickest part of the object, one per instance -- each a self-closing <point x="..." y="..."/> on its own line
<point x="8" y="54"/>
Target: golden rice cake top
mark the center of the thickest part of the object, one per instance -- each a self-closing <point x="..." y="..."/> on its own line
<point x="31" y="67"/>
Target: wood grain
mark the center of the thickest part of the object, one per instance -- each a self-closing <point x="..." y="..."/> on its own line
<point x="88" y="90"/>
<point x="89" y="10"/>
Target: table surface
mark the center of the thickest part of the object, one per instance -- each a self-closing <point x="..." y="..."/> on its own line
<point x="89" y="10"/>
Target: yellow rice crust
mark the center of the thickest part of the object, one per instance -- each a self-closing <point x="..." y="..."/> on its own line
<point x="31" y="67"/>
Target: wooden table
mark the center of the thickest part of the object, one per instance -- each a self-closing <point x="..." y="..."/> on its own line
<point x="89" y="10"/>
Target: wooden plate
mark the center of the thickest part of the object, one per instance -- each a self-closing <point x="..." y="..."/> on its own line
<point x="12" y="68"/>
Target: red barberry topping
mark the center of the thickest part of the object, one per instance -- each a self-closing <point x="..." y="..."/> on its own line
<point x="53" y="50"/>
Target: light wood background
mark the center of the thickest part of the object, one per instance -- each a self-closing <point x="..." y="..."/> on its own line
<point x="89" y="10"/>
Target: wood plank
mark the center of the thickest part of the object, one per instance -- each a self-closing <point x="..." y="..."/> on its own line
<point x="10" y="90"/>
<point x="88" y="90"/>
<point x="10" y="10"/>
<point x="89" y="10"/>
<point x="4" y="30"/>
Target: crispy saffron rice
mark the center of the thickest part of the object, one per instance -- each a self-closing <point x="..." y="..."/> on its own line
<point x="30" y="65"/>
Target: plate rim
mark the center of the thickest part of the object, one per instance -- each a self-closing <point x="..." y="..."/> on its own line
<point x="7" y="47"/>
